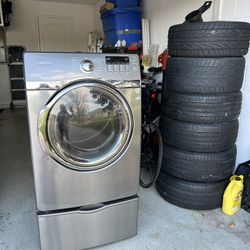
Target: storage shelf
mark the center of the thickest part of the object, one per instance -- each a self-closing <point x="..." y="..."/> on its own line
<point x="19" y="102"/>
<point x="16" y="63"/>
<point x="16" y="78"/>
<point x="17" y="84"/>
<point x="18" y="90"/>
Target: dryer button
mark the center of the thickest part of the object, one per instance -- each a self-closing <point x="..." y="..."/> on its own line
<point x="116" y="67"/>
<point x="110" y="67"/>
<point x="122" y="67"/>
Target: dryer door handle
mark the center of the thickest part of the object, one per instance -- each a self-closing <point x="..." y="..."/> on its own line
<point x="91" y="208"/>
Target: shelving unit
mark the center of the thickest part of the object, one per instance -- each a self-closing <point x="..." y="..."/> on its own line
<point x="17" y="84"/>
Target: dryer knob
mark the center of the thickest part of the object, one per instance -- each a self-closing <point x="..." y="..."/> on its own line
<point x="87" y="65"/>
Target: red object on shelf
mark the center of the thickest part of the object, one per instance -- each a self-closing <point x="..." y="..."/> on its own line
<point x="153" y="96"/>
<point x="133" y="47"/>
<point x="162" y="58"/>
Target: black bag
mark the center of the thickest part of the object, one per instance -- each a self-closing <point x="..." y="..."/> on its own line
<point x="196" y="16"/>
<point x="244" y="169"/>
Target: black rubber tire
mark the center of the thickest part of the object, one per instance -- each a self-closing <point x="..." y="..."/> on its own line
<point x="209" y="39"/>
<point x="202" y="108"/>
<point x="201" y="167"/>
<point x="199" y="137"/>
<point x="205" y="75"/>
<point x="192" y="195"/>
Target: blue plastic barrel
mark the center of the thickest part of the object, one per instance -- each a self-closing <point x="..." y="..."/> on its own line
<point x="125" y="3"/>
<point x="122" y="24"/>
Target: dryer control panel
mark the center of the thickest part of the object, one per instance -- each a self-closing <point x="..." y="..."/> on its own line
<point x="121" y="63"/>
<point x="57" y="69"/>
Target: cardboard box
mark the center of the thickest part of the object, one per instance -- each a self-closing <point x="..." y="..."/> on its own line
<point x="106" y="6"/>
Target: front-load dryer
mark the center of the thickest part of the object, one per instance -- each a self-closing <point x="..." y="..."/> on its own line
<point x="84" y="113"/>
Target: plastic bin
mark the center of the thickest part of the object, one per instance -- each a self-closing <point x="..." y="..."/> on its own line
<point x="125" y="4"/>
<point x="122" y="24"/>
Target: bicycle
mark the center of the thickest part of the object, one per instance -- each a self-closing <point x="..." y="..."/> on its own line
<point x="151" y="139"/>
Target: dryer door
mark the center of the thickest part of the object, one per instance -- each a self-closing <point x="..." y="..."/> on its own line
<point x="86" y="125"/>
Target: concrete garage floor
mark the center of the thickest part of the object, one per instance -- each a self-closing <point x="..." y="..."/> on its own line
<point x="161" y="225"/>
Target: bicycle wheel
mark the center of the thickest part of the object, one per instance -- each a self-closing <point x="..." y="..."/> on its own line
<point x="151" y="157"/>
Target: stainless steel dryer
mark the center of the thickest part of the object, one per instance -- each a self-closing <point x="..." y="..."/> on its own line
<point x="84" y="117"/>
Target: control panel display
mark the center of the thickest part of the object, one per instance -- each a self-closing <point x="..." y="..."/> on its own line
<point x="117" y="59"/>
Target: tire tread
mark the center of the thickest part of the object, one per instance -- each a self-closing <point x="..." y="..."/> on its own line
<point x="192" y="195"/>
<point x="209" y="39"/>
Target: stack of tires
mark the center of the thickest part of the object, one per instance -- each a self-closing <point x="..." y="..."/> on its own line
<point x="200" y="108"/>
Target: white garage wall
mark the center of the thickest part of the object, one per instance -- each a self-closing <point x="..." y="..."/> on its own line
<point x="238" y="10"/>
<point x="23" y="27"/>
<point x="164" y="13"/>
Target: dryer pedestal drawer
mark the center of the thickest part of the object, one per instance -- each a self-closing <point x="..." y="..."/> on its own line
<point x="81" y="229"/>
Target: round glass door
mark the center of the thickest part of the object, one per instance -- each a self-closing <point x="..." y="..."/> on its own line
<point x="86" y="125"/>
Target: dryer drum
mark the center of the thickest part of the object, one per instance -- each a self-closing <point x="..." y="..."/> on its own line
<point x="86" y="125"/>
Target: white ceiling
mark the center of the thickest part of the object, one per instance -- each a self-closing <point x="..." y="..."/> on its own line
<point x="92" y="2"/>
